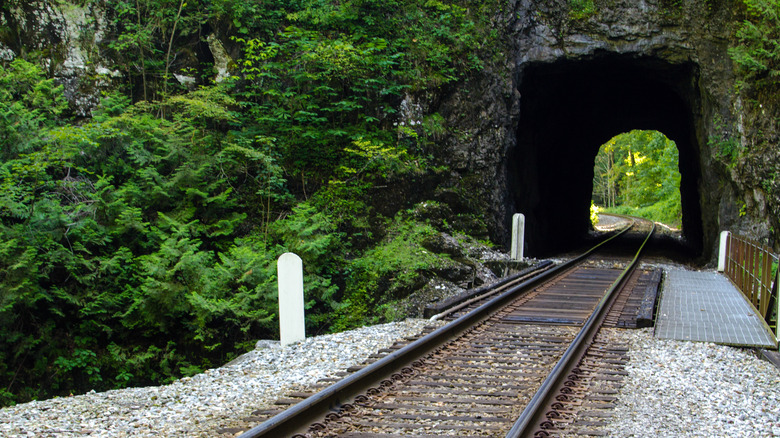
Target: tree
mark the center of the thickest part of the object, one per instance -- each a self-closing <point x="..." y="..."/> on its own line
<point x="636" y="173"/>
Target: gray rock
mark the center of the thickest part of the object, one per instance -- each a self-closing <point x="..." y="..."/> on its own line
<point x="443" y="243"/>
<point x="266" y="344"/>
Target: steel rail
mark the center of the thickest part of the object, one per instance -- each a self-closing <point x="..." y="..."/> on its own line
<point x="532" y="415"/>
<point x="300" y="416"/>
<point x="492" y="291"/>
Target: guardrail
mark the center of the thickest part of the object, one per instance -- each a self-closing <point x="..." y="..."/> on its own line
<point x="753" y="269"/>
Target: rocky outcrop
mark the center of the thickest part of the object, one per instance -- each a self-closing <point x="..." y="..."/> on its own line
<point x="679" y="49"/>
<point x="79" y="42"/>
<point x="519" y="135"/>
<point x="68" y="35"/>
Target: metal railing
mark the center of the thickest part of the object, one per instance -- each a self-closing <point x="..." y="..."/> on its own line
<point x="753" y="269"/>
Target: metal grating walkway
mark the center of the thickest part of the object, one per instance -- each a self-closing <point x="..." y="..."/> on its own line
<point x="706" y="306"/>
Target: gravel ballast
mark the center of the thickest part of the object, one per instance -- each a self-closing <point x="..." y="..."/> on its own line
<point x="695" y="389"/>
<point x="674" y="388"/>
<point x="198" y="406"/>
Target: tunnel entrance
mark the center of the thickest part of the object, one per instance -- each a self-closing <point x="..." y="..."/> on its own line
<point x="568" y="109"/>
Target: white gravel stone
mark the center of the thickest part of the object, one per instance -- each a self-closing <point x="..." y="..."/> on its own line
<point x="674" y="388"/>
<point x="197" y="406"/>
<point x="695" y="389"/>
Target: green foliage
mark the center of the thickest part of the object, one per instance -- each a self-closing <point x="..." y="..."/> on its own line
<point x="637" y="173"/>
<point x="724" y="146"/>
<point x="579" y="9"/>
<point x="336" y="74"/>
<point x="386" y="272"/>
<point x="140" y="245"/>
<point x="665" y="211"/>
<point x="756" y="56"/>
<point x="144" y="33"/>
<point x="758" y="52"/>
<point x="594" y="213"/>
<point x="256" y="18"/>
<point x="29" y="104"/>
<point x="129" y="233"/>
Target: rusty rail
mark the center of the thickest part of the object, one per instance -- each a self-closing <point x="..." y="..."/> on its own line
<point x="752" y="267"/>
<point x="298" y="418"/>
<point x="533" y="416"/>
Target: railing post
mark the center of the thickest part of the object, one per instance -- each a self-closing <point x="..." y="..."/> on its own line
<point x="741" y="258"/>
<point x="766" y="281"/>
<point x="775" y="289"/>
<point x="746" y="284"/>
<point x="723" y="254"/>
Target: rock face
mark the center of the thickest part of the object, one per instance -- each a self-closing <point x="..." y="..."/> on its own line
<point x="68" y="35"/>
<point x="530" y="127"/>
<point x="522" y="135"/>
<point x="74" y="38"/>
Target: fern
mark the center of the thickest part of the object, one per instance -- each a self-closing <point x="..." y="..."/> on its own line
<point x="758" y="52"/>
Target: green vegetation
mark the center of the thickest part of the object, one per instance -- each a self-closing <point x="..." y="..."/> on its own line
<point x="636" y="173"/>
<point x="723" y="145"/>
<point x="756" y="55"/>
<point x="139" y="245"/>
<point x="579" y="9"/>
<point x="758" y="52"/>
<point x="389" y="271"/>
<point x="594" y="213"/>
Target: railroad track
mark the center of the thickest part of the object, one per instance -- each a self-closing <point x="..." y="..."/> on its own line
<point x="524" y="360"/>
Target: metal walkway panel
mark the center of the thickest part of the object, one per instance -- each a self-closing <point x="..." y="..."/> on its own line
<point x="706" y="306"/>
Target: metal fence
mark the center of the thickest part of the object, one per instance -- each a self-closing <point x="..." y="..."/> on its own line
<point x="753" y="269"/>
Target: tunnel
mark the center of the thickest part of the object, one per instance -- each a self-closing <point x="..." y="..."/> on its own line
<point x="568" y="109"/>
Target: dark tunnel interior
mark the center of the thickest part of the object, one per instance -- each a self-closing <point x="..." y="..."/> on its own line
<point x="568" y="109"/>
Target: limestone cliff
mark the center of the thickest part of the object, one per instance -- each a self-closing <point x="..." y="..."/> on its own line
<point x="630" y="54"/>
<point x="566" y="76"/>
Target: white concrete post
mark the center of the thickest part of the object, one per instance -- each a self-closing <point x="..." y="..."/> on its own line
<point x="724" y="237"/>
<point x="518" y="236"/>
<point x="292" y="329"/>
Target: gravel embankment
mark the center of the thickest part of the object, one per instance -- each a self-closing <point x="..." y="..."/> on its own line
<point x="197" y="406"/>
<point x="695" y="389"/>
<point x="674" y="388"/>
